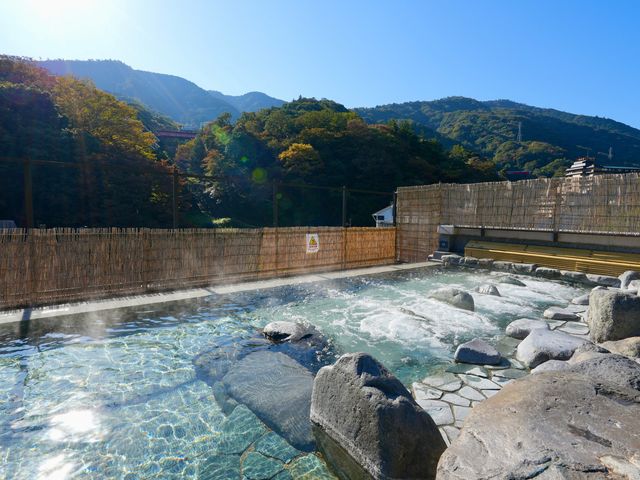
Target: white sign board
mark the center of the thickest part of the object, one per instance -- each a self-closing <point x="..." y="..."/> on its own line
<point x="313" y="243"/>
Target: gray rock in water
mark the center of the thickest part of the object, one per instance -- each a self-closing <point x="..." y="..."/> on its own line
<point x="587" y="352"/>
<point x="455" y="297"/>
<point x="542" y="345"/>
<point x="502" y="266"/>
<point x="485" y="263"/>
<point x="634" y="286"/>
<point x="613" y="315"/>
<point x="629" y="347"/>
<point x="511" y="281"/>
<point x="552" y="366"/>
<point x="287" y="331"/>
<point x="546" y="272"/>
<point x="553" y="425"/>
<point x="365" y="417"/>
<point x="488" y="290"/>
<point x="522" y="327"/>
<point x="581" y="300"/>
<point x="611" y="369"/>
<point x="627" y="277"/>
<point x="558" y="313"/>
<point x="450" y="260"/>
<point x="604" y="280"/>
<point x="526" y="268"/>
<point x="477" y="352"/>
<point x="574" y="277"/>
<point x="469" y="261"/>
<point x="278" y="390"/>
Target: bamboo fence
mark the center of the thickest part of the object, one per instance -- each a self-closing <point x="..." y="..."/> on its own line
<point x="48" y="266"/>
<point x="605" y="204"/>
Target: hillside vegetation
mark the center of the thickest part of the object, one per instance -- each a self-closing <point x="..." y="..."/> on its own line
<point x="551" y="139"/>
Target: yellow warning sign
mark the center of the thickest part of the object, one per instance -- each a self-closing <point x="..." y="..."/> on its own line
<point x="313" y="243"/>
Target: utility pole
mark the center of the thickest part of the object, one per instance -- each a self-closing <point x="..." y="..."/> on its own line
<point x="344" y="206"/>
<point x="28" y="193"/>
<point x="519" y="138"/>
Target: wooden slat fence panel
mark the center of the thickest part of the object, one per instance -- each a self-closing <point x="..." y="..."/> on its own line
<point x="39" y="267"/>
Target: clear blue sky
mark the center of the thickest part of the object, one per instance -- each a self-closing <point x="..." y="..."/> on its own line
<point x="581" y="56"/>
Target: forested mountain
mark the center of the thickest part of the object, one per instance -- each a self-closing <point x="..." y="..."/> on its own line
<point x="181" y="100"/>
<point x="249" y="102"/>
<point x="107" y="170"/>
<point x="317" y="143"/>
<point x="551" y="139"/>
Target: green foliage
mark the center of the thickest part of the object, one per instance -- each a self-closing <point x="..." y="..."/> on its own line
<point x="317" y="142"/>
<point x="490" y="129"/>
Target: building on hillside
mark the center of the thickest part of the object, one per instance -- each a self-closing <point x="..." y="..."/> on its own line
<point x="384" y="217"/>
<point x="587" y="166"/>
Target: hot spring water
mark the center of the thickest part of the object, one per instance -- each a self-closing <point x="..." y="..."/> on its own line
<point x="116" y="395"/>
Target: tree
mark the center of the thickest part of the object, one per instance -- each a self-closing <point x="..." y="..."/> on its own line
<point x="301" y="159"/>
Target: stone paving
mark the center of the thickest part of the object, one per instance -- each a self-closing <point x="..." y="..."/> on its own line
<point x="450" y="395"/>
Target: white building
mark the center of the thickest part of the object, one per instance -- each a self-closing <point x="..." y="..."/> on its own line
<point x="384" y="217"/>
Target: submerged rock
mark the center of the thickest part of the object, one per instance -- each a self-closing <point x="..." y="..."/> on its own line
<point x="488" y="290"/>
<point x="522" y="327"/>
<point x="613" y="315"/>
<point x="477" y="352"/>
<point x="278" y="390"/>
<point x="367" y="424"/>
<point x="450" y="260"/>
<point x="454" y="297"/>
<point x="542" y="345"/>
<point x="549" y="425"/>
<point x="502" y="266"/>
<point x="581" y="300"/>
<point x="469" y="261"/>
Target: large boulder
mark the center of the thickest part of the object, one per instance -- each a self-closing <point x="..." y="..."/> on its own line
<point x="574" y="277"/>
<point x="367" y="423"/>
<point x="477" y="352"/>
<point x="634" y="286"/>
<point x="613" y="315"/>
<point x="455" y="297"/>
<point x="627" y="277"/>
<point x="526" y="268"/>
<point x="502" y="266"/>
<point x="277" y="389"/>
<point x="629" y="347"/>
<point x="450" y="260"/>
<point x="553" y="425"/>
<point x="558" y="313"/>
<point x="522" y="327"/>
<point x="546" y="272"/>
<point x="542" y="345"/>
<point x="610" y="368"/>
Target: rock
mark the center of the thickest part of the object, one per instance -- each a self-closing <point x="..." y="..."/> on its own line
<point x="629" y="347"/>
<point x="627" y="277"/>
<point x="278" y="390"/>
<point x="546" y="272"/>
<point x="558" y="313"/>
<point x="542" y="345"/>
<point x="581" y="300"/>
<point x="502" y="266"/>
<point x="587" y="352"/>
<point x="525" y="268"/>
<point x="511" y="281"/>
<point x="447" y="382"/>
<point x="574" y="277"/>
<point x="613" y="315"/>
<point x="455" y="297"/>
<point x="450" y="260"/>
<point x="485" y="263"/>
<point x="550" y="425"/>
<point x="552" y="366"/>
<point x="471" y="393"/>
<point x="438" y="410"/>
<point x="522" y="327"/>
<point x="469" y="261"/>
<point x="488" y="290"/>
<point x="604" y="280"/>
<point x="477" y="352"/>
<point x="611" y="369"/>
<point x="363" y="415"/>
<point x="634" y="286"/>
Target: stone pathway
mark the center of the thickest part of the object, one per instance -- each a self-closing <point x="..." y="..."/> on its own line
<point x="450" y="395"/>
